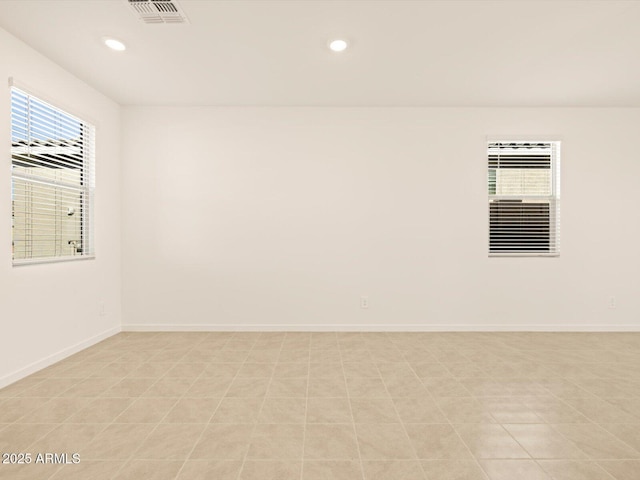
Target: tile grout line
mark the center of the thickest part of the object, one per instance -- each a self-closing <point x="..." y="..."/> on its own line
<point x="107" y="425"/>
<point x="130" y="458"/>
<point x="306" y="407"/>
<point x="56" y="425"/>
<point x="255" y="425"/>
<point x="353" y="418"/>
<point x="186" y="459"/>
<point x="591" y="422"/>
<point x="174" y="363"/>
<point x="531" y="458"/>
<point x="476" y="460"/>
<point x="395" y="409"/>
<point x="515" y="384"/>
<point x="472" y="456"/>
<point x="188" y="456"/>
<point x="551" y="425"/>
<point x="64" y="422"/>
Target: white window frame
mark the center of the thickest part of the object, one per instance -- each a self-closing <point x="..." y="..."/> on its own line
<point x="21" y="120"/>
<point x="552" y="198"/>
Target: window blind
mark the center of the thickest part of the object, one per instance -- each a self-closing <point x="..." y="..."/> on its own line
<point x="52" y="160"/>
<point x="524" y="201"/>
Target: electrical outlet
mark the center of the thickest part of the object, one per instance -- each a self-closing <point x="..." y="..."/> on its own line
<point x="612" y="302"/>
<point x="364" y="302"/>
<point x="102" y="311"/>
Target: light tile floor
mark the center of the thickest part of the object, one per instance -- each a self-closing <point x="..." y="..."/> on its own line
<point x="310" y="406"/>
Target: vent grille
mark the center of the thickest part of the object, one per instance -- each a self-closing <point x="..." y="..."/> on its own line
<point x="158" y="11"/>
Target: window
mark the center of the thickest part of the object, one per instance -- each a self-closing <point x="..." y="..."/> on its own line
<point x="524" y="198"/>
<point x="52" y="182"/>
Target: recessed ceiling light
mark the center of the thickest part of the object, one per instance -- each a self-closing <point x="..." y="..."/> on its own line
<point x="114" y="44"/>
<point x="338" y="45"/>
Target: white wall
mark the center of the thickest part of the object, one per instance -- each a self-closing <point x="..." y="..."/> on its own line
<point x="50" y="311"/>
<point x="255" y="218"/>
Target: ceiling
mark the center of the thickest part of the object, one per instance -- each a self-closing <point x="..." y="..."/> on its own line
<point x="402" y="53"/>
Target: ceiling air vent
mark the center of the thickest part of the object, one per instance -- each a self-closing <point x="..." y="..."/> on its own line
<point x="158" y="11"/>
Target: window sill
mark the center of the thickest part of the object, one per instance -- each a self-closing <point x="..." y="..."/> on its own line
<point x="38" y="261"/>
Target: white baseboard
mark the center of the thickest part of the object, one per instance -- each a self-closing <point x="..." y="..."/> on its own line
<point x="56" y="357"/>
<point x="412" y="327"/>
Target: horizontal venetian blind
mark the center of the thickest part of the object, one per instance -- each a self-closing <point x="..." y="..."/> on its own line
<point x="52" y="160"/>
<point x="524" y="202"/>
